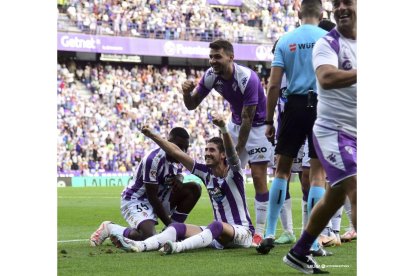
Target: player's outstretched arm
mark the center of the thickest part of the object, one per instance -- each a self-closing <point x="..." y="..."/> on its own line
<point x="229" y="148"/>
<point x="170" y="148"/>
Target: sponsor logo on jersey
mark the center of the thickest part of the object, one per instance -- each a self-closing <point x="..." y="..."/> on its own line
<point x="292" y="47"/>
<point x="257" y="150"/>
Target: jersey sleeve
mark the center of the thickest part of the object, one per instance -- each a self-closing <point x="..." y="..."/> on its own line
<point x="202" y="171"/>
<point x="278" y="55"/>
<point x="206" y="83"/>
<point x="251" y="93"/>
<point x="323" y="54"/>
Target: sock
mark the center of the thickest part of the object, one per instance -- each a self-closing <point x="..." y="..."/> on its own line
<point x="115" y="229"/>
<point x="277" y="196"/>
<point x="336" y="220"/>
<point x="328" y="229"/>
<point x="155" y="242"/>
<point x="304" y="215"/>
<point x="203" y="239"/>
<point x="260" y="205"/>
<point x="304" y="244"/>
<point x="286" y="216"/>
<point x="315" y="194"/>
<point x="347" y="208"/>
<point x="178" y="217"/>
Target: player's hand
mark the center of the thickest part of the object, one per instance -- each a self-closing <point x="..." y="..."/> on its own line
<point x="188" y="87"/>
<point x="146" y="130"/>
<point x="218" y="120"/>
<point x="270" y="133"/>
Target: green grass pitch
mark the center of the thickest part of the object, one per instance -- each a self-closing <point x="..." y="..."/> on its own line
<point x="81" y="210"/>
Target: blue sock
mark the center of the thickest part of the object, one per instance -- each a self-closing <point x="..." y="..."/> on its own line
<point x="315" y="194"/>
<point x="277" y="196"/>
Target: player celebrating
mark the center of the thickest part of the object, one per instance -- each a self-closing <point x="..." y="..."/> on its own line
<point x="223" y="177"/>
<point x="241" y="87"/>
<point x="335" y="64"/>
<point x="155" y="191"/>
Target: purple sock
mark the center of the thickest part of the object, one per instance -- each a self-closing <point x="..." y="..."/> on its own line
<point x="262" y="197"/>
<point x="126" y="232"/>
<point x="216" y="228"/>
<point x="180" y="228"/>
<point x="304" y="244"/>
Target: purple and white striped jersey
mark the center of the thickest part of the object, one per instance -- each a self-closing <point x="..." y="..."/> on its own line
<point x="154" y="169"/>
<point x="243" y="89"/>
<point x="227" y="195"/>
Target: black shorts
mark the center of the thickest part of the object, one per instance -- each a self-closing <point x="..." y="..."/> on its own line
<point x="296" y="126"/>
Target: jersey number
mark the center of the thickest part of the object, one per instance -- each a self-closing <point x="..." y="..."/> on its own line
<point x="143" y="206"/>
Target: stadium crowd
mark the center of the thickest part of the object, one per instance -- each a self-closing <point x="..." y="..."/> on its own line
<point x="185" y="19"/>
<point x="96" y="107"/>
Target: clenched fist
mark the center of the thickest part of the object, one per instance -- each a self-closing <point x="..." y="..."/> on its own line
<point x="188" y="87"/>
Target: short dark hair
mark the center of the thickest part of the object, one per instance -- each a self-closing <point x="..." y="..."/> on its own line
<point x="180" y="132"/>
<point x="222" y="44"/>
<point x="326" y="24"/>
<point x="311" y="8"/>
<point x="218" y="141"/>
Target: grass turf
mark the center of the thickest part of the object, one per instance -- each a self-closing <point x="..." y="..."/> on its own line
<point x="81" y="210"/>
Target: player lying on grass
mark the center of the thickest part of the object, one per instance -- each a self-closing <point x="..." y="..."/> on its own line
<point x="155" y="191"/>
<point x="223" y="177"/>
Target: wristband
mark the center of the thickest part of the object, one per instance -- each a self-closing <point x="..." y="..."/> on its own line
<point x="269" y="122"/>
<point x="223" y="129"/>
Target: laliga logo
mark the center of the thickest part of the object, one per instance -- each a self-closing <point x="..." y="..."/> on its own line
<point x="169" y="48"/>
<point x="263" y="52"/>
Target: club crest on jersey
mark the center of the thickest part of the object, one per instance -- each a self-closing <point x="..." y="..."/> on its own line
<point x="216" y="193"/>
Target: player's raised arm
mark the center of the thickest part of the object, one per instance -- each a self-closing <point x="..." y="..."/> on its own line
<point x="192" y="98"/>
<point x="170" y="148"/>
<point x="231" y="153"/>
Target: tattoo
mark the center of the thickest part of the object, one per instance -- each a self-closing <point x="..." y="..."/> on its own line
<point x="248" y="113"/>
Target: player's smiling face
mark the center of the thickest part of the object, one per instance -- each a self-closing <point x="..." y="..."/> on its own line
<point x="220" y="61"/>
<point x="212" y="155"/>
<point x="345" y="13"/>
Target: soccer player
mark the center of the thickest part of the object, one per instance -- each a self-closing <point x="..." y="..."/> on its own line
<point x="241" y="87"/>
<point x="335" y="64"/>
<point x="293" y="56"/>
<point x="155" y="191"/>
<point x="223" y="177"/>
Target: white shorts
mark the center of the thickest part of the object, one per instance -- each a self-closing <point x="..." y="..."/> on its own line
<point x="258" y="148"/>
<point x="242" y="238"/>
<point x="136" y="211"/>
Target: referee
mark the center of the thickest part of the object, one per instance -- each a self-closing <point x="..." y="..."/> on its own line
<point x="293" y="56"/>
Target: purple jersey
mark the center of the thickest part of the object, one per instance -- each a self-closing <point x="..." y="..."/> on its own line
<point x="154" y="169"/>
<point x="227" y="195"/>
<point x="242" y="90"/>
